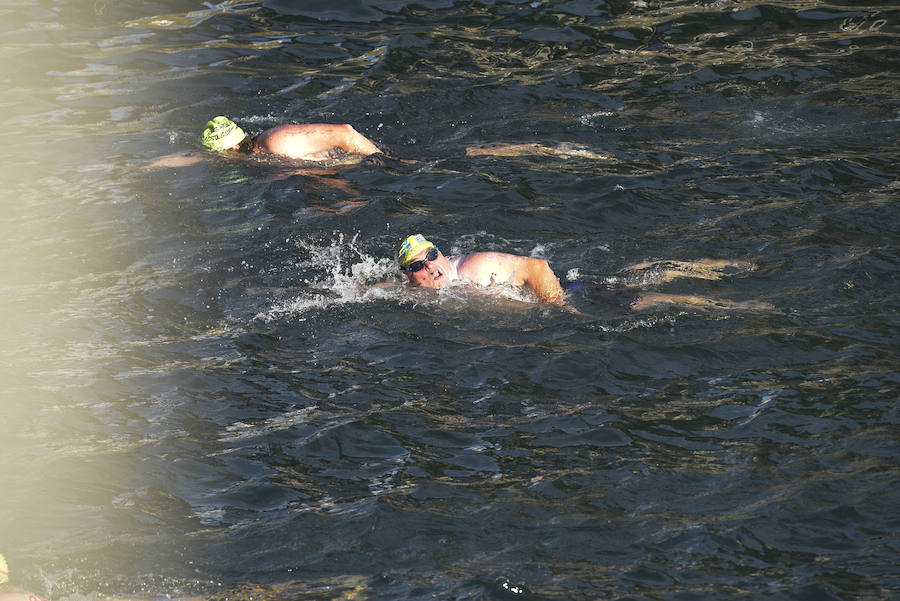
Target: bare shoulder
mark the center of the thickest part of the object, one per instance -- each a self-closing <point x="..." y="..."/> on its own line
<point x="488" y="268"/>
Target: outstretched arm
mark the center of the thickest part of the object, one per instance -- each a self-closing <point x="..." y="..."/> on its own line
<point x="178" y="159"/>
<point x="704" y="269"/>
<point x="564" y="150"/>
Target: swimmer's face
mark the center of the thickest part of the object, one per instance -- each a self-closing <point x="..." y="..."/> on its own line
<point x="434" y="274"/>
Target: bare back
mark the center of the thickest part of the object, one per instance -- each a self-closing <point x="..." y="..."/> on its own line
<point x="313" y="141"/>
<point x="489" y="268"/>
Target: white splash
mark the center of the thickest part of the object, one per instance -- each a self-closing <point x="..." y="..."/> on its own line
<point x="354" y="277"/>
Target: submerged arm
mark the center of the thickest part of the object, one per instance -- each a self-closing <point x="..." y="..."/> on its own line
<point x="178" y="159"/>
<point x="704" y="269"/>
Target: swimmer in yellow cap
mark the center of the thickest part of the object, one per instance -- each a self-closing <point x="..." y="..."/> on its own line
<point x="9" y="592"/>
<point x="425" y="266"/>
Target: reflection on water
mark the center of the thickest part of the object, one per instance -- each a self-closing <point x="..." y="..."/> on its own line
<point x="206" y="395"/>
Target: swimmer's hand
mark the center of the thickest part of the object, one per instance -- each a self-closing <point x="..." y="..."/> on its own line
<point x="179" y="159"/>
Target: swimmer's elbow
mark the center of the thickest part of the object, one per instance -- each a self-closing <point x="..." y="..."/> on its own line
<point x="540" y="269"/>
<point x="544" y="282"/>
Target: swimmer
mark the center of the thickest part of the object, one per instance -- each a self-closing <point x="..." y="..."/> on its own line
<point x="311" y="142"/>
<point x="426" y="267"/>
<point x="330" y="143"/>
<point x="9" y="592"/>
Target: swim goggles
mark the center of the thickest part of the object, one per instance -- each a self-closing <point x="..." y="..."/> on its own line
<point x="420" y="264"/>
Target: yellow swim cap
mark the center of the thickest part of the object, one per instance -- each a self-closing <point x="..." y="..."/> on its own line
<point x="411" y="247"/>
<point x="221" y="133"/>
<point x="4" y="571"/>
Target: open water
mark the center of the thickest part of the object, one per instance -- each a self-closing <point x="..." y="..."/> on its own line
<point x="203" y="397"/>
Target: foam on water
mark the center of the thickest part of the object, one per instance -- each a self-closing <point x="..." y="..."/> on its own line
<point x="352" y="277"/>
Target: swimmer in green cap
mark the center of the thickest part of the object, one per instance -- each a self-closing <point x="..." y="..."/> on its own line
<point x="324" y="142"/>
<point x="309" y="142"/>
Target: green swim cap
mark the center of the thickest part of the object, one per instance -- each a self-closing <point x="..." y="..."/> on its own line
<point x="222" y="133"/>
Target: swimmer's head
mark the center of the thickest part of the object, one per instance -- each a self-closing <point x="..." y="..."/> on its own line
<point x="412" y="246"/>
<point x="4" y="571"/>
<point x="423" y="263"/>
<point x="221" y="133"/>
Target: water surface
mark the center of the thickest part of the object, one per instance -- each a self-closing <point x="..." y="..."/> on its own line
<point x="203" y="397"/>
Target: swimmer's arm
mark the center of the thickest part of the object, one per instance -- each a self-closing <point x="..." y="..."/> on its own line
<point x="179" y="159"/>
<point x="564" y="150"/>
<point x="543" y="282"/>
<point x="704" y="269"/>
<point x="353" y="141"/>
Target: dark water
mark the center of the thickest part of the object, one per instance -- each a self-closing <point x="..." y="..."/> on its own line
<point x="202" y="397"/>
